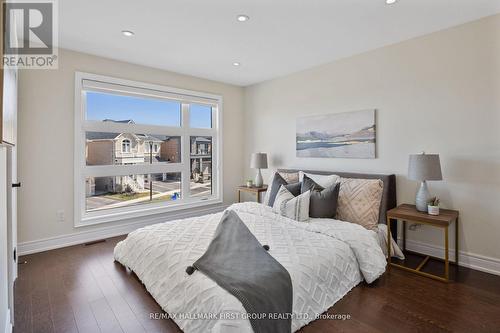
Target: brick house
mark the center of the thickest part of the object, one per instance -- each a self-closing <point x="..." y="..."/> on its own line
<point x="105" y="148"/>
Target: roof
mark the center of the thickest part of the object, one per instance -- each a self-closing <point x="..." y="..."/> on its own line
<point x="143" y="137"/>
<point x="202" y="139"/>
<point x="113" y="136"/>
<point x="125" y="121"/>
<point x="101" y="136"/>
<point x="147" y="137"/>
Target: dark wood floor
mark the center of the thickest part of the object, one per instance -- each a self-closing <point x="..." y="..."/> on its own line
<point x="81" y="289"/>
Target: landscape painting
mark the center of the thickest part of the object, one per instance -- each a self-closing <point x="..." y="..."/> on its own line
<point x="339" y="135"/>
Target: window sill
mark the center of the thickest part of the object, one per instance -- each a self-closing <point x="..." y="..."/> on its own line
<point x="107" y="217"/>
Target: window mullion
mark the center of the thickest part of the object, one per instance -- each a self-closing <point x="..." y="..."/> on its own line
<point x="185" y="148"/>
<point x="122" y="170"/>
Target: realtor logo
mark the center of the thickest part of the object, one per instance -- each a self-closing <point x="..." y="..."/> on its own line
<point x="30" y="34"/>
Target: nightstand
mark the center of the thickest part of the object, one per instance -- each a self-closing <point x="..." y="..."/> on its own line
<point x="408" y="213"/>
<point x="255" y="190"/>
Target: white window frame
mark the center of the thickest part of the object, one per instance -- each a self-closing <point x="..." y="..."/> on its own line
<point x="128" y="145"/>
<point x="99" y="83"/>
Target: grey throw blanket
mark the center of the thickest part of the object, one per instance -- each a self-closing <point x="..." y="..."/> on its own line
<point x="237" y="262"/>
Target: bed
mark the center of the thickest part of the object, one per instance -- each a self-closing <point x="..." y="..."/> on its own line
<point x="325" y="258"/>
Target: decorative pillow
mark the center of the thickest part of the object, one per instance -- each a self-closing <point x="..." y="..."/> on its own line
<point x="359" y="201"/>
<point x="290" y="177"/>
<point x="294" y="188"/>
<point x="273" y="188"/>
<point x="295" y="208"/>
<point x="267" y="194"/>
<point x="309" y="184"/>
<point x="323" y="202"/>
<point x="323" y="180"/>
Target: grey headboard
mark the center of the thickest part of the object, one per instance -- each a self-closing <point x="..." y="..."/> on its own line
<point x="388" y="195"/>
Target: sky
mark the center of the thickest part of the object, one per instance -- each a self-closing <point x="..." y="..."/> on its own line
<point x="145" y="111"/>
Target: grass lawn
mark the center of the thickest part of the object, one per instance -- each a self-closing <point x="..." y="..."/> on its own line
<point x="125" y="197"/>
<point x="167" y="197"/>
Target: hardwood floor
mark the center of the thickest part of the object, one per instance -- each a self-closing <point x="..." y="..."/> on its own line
<point x="81" y="289"/>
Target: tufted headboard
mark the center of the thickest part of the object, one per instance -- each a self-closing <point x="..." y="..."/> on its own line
<point x="388" y="194"/>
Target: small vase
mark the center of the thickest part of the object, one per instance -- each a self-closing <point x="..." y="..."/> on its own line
<point x="249" y="183"/>
<point x="433" y="210"/>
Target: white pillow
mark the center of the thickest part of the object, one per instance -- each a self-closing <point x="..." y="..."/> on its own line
<point x="295" y="208"/>
<point x="322" y="180"/>
<point x="268" y="191"/>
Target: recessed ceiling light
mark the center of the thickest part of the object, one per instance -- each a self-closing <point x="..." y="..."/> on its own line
<point x="127" y="33"/>
<point x="391" y="2"/>
<point x="242" y="18"/>
<point x="236" y="64"/>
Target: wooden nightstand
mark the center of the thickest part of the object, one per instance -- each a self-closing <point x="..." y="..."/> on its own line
<point x="254" y="189"/>
<point x="408" y="213"/>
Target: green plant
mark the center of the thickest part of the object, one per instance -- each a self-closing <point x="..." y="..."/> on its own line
<point x="433" y="202"/>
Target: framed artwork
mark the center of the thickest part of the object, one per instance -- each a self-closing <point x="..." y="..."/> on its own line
<point x="337" y="135"/>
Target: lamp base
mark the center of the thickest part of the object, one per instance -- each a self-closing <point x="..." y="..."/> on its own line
<point x="258" y="179"/>
<point x="423" y="197"/>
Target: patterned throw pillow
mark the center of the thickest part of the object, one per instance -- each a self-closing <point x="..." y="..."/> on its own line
<point x="295" y="208"/>
<point x="359" y="201"/>
<point x="275" y="183"/>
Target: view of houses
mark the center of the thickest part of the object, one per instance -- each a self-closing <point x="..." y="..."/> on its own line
<point x="104" y="148"/>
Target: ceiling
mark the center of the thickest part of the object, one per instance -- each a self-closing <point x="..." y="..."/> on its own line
<point x="203" y="38"/>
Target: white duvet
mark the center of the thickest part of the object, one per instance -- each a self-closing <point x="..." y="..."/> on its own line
<point x="325" y="259"/>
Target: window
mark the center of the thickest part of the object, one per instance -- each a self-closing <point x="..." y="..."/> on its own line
<point x="126" y="146"/>
<point x="200" y="116"/>
<point x="117" y="192"/>
<point x="143" y="149"/>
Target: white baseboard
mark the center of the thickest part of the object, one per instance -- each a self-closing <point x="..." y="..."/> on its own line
<point x="8" y="324"/>
<point x="108" y="231"/>
<point x="470" y="260"/>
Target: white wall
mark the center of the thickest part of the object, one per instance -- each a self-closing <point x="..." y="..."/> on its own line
<point x="439" y="93"/>
<point x="45" y="141"/>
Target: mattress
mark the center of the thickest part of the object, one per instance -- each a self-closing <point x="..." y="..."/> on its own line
<point x="325" y="260"/>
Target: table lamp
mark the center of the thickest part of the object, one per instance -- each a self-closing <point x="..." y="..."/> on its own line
<point x="258" y="161"/>
<point x="424" y="167"/>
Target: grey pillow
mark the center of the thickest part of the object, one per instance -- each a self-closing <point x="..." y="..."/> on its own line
<point x="274" y="188"/>
<point x="294" y="188"/>
<point x="323" y="202"/>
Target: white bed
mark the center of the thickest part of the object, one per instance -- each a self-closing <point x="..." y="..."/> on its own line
<point x="325" y="259"/>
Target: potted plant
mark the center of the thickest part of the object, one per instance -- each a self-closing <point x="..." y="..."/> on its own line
<point x="433" y="206"/>
<point x="249" y="183"/>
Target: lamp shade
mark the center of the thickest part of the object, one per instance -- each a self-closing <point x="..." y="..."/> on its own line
<point x="424" y="167"/>
<point x="258" y="161"/>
